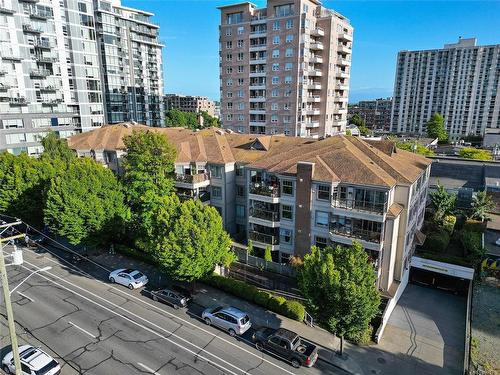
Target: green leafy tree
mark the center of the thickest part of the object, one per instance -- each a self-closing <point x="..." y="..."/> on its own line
<point x="55" y="148"/>
<point x="148" y="166"/>
<point x="339" y="285"/>
<point x="415" y="147"/>
<point x="475" y="153"/>
<point x="250" y="247"/>
<point x="267" y="254"/>
<point x="357" y="120"/>
<point x="210" y="121"/>
<point x="436" y="129"/>
<point x="85" y="203"/>
<point x="191" y="241"/>
<point x="23" y="184"/>
<point x="482" y="203"/>
<point x="177" y="118"/>
<point x="443" y="203"/>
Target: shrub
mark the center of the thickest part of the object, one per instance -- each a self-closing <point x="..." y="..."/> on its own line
<point x="276" y="304"/>
<point x="449" y="222"/>
<point x="437" y="241"/>
<point x="262" y="298"/>
<point x="294" y="310"/>
<point x="444" y="258"/>
<point x="475" y="225"/>
<point x="363" y="337"/>
<point x="473" y="246"/>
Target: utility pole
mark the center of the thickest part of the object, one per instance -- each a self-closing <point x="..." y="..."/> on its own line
<point x="6" y="296"/>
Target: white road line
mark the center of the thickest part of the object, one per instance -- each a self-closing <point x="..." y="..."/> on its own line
<point x="196" y="354"/>
<point x="147" y="368"/>
<point x="25" y="296"/>
<point x="83" y="330"/>
<point x="260" y="357"/>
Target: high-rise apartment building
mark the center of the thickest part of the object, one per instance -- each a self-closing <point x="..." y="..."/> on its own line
<point x="132" y="71"/>
<point x="62" y="63"/>
<point x="186" y="103"/>
<point x="285" y="68"/>
<point x="460" y="81"/>
<point x="49" y="72"/>
<point x="375" y="113"/>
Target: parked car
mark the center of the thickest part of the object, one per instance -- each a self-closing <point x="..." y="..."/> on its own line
<point x="170" y="297"/>
<point x="132" y="279"/>
<point x="287" y="345"/>
<point x="497" y="242"/>
<point x="34" y="361"/>
<point x="230" y="319"/>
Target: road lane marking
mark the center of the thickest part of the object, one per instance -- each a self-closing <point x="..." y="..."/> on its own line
<point x="196" y="354"/>
<point x="83" y="330"/>
<point x="260" y="357"/>
<point x="25" y="296"/>
<point x="147" y="368"/>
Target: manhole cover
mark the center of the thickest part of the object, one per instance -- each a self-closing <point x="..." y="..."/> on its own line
<point x="380" y="360"/>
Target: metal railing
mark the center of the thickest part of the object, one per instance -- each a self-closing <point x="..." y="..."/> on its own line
<point x="355" y="204"/>
<point x="357" y="233"/>
<point x="246" y="258"/>
<point x="192" y="178"/>
<point x="264" y="238"/>
<point x="265" y="189"/>
<point x="264" y="214"/>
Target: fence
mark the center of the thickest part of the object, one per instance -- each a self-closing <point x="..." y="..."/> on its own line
<point x="243" y="257"/>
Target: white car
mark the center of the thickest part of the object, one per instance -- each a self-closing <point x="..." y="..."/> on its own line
<point x="497" y="242"/>
<point x="132" y="279"/>
<point x="34" y="361"/>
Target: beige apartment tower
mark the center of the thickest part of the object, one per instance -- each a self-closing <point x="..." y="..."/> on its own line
<point x="284" y="69"/>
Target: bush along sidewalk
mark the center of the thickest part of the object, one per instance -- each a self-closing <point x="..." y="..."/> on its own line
<point x="280" y="305"/>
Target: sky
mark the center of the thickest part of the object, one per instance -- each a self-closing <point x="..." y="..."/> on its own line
<point x="189" y="30"/>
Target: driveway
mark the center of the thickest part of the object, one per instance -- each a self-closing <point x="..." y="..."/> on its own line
<point x="426" y="332"/>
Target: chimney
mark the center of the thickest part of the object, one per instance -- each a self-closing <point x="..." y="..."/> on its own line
<point x="303" y="191"/>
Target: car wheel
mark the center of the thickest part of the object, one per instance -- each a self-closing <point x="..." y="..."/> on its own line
<point x="232" y="333"/>
<point x="155" y="298"/>
<point x="6" y="369"/>
<point x="259" y="346"/>
<point x="208" y="321"/>
<point x="295" y="363"/>
<point x="130" y="286"/>
<point x="112" y="280"/>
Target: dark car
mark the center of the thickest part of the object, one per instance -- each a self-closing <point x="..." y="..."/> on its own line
<point x="287" y="345"/>
<point x="170" y="297"/>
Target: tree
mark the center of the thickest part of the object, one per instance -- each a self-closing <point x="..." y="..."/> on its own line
<point x="436" y="129"/>
<point x="55" y="148"/>
<point x="190" y="241"/>
<point x="481" y="204"/>
<point x="357" y="120"/>
<point x="148" y="166"/>
<point x="267" y="254"/>
<point x="210" y="121"/>
<point x="443" y="203"/>
<point x="177" y="118"/>
<point x="475" y="153"/>
<point x="250" y="247"/>
<point x="339" y="285"/>
<point x="415" y="147"/>
<point x="85" y="203"/>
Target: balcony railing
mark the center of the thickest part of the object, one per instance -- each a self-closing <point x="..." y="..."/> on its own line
<point x="264" y="214"/>
<point x="267" y="190"/>
<point x="354" y="204"/>
<point x="192" y="179"/>
<point x="357" y="233"/>
<point x="264" y="238"/>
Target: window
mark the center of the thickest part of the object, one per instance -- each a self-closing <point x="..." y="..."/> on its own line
<point x="276" y="53"/>
<point x="275" y="80"/>
<point x="287" y="119"/>
<point x="288" y="66"/>
<point x="241" y="105"/>
<point x="283" y="10"/>
<point x="241" y="117"/>
<point x="239" y="57"/>
<point x="276" y="67"/>
<point x="229" y="117"/>
<point x="287" y="187"/>
<point x="228" y="31"/>
<point x="289" y="52"/>
<point x="276" y="25"/>
<point x="274" y="118"/>
<point x="321" y="219"/>
<point x="276" y="39"/>
<point x="321" y="242"/>
<point x="229" y="94"/>
<point x="216" y="192"/>
<point x="288" y="79"/>
<point x="240" y="190"/>
<point x="233" y="18"/>
<point x="239" y="170"/>
<point x="274" y="106"/>
<point x="241" y="30"/>
<point x="324" y="192"/>
<point x="241" y="81"/>
<point x="240" y="211"/>
<point x="229" y="69"/>
<point x="82" y="7"/>
<point x="216" y="171"/>
<point x="288" y="92"/>
<point x="289" y="38"/>
<point x="229" y="44"/>
<point x="286" y="212"/>
<point x="286" y="106"/>
<point x="241" y="68"/>
<point x="289" y="24"/>
<point x="229" y="57"/>
<point x="240" y="43"/>
<point x="285" y="236"/>
<point x="275" y="93"/>
<point x="229" y="105"/>
<point x="241" y="94"/>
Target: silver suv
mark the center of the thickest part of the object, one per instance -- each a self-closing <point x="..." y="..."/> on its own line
<point x="34" y="361"/>
<point x="230" y="319"/>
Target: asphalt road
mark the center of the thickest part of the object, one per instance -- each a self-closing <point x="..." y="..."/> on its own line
<point x="95" y="327"/>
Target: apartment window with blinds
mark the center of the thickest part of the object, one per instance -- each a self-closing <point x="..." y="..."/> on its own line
<point x="287" y="187"/>
<point x="286" y="236"/>
<point x="321" y="242"/>
<point x="216" y="192"/>
<point x="324" y="192"/>
<point x="240" y="211"/>
<point x="216" y="171"/>
<point x="322" y="219"/>
<point x="286" y="212"/>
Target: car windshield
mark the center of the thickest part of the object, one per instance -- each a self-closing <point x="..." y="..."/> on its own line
<point x="47" y="368"/>
<point x="138" y="275"/>
<point x="244" y="320"/>
<point x="217" y="309"/>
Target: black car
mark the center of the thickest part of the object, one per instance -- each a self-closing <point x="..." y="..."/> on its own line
<point x="170" y="297"/>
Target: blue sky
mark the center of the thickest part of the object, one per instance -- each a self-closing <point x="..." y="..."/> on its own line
<point x="189" y="29"/>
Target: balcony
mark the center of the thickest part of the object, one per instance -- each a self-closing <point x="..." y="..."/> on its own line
<point x="266" y="239"/>
<point x="40" y="15"/>
<point x="12" y="58"/>
<point x="359" y="205"/>
<point x="313" y="86"/>
<point x="311" y="112"/>
<point x="4" y="87"/>
<point x="346" y="37"/>
<point x="342" y="74"/>
<point x="257" y="86"/>
<point x="257" y="122"/>
<point x="27" y="28"/>
<point x="316" y="46"/>
<point x="341" y="86"/>
<point x="265" y="192"/>
<point x="313" y="73"/>
<point x="257" y="111"/>
<point x="258" y="47"/>
<point x="3" y="73"/>
<point x="4" y="10"/>
<point x="256" y="99"/>
<point x="312" y="124"/>
<point x="355" y="233"/>
<point x="318" y="31"/>
<point x="52" y="103"/>
<point x="258" y="61"/>
<point x="316" y="59"/>
<point x="42" y="44"/>
<point x="192" y="181"/>
<point x="258" y="73"/>
<point x="340" y="99"/>
<point x="40" y="73"/>
<point x="343" y="48"/>
<point x="17" y="102"/>
<point x="264" y="217"/>
<point x="48" y="89"/>
<point x="45" y="60"/>
<point x="343" y="62"/>
<point x="313" y="99"/>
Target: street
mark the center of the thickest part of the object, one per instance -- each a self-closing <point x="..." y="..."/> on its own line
<point x="99" y="328"/>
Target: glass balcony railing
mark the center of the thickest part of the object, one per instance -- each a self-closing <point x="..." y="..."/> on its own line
<point x="356" y="233"/>
<point x="264" y="214"/>
<point x="354" y="204"/>
<point x="264" y="238"/>
<point x="192" y="178"/>
<point x="268" y="190"/>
